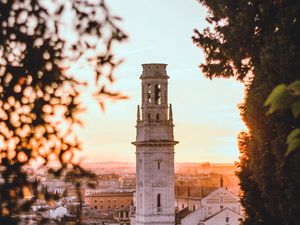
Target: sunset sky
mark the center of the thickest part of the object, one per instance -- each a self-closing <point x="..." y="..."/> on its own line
<point x="205" y="111"/>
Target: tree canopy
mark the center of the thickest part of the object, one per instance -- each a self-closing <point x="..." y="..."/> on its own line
<point x="39" y="99"/>
<point x="258" y="43"/>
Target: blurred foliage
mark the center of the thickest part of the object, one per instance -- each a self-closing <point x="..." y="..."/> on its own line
<point x="39" y="98"/>
<point x="282" y="98"/>
<point x="258" y="43"/>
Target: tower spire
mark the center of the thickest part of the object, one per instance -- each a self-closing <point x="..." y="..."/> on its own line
<point x="221" y="181"/>
<point x="138" y="114"/>
<point x="171" y="113"/>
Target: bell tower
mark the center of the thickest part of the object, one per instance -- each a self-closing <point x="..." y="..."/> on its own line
<point x="155" y="150"/>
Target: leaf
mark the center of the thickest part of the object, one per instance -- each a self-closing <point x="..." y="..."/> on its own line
<point x="278" y="99"/>
<point x="296" y="109"/>
<point x="295" y="87"/>
<point x="293" y="141"/>
<point x="117" y="18"/>
<point x="59" y="11"/>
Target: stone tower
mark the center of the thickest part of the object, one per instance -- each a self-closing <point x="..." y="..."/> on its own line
<point x="154" y="150"/>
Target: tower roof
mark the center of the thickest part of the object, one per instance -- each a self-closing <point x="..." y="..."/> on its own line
<point x="154" y="64"/>
<point x="154" y="70"/>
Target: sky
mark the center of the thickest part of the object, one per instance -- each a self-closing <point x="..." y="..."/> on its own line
<point x="206" y="116"/>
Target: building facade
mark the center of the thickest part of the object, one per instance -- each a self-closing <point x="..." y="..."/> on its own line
<point x="106" y="201"/>
<point x="218" y="208"/>
<point x="190" y="202"/>
<point x="154" y="150"/>
<point x="190" y="196"/>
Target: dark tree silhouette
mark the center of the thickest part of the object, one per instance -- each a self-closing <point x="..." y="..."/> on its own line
<point x="39" y="99"/>
<point x="258" y="42"/>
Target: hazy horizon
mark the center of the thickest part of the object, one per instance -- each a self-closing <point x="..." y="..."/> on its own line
<point x="213" y="163"/>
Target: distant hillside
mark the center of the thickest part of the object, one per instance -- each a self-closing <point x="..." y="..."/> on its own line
<point x="189" y="168"/>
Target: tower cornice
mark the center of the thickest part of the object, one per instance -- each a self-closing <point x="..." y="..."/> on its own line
<point x="155" y="143"/>
<point x="150" y="77"/>
<point x="142" y="123"/>
<point x="154" y="64"/>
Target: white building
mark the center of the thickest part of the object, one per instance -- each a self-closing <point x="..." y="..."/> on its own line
<point x="56" y="213"/>
<point x="59" y="212"/>
<point x="154" y="150"/>
<point x="221" y="207"/>
<point x="192" y="203"/>
<point x="191" y="198"/>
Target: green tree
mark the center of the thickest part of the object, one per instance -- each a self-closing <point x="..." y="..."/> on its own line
<point x="258" y="43"/>
<point x="39" y="99"/>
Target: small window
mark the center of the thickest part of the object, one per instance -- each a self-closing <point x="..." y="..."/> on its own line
<point x="158" y="165"/>
<point x="157" y="117"/>
<point x="149" y="117"/>
<point x="158" y="203"/>
<point x="95" y="207"/>
<point x="182" y="206"/>
<point x="221" y="206"/>
<point x="141" y="198"/>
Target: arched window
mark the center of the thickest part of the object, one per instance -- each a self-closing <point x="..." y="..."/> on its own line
<point x="157" y="94"/>
<point x="158" y="202"/>
<point x="149" y="93"/>
<point x="140" y="203"/>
